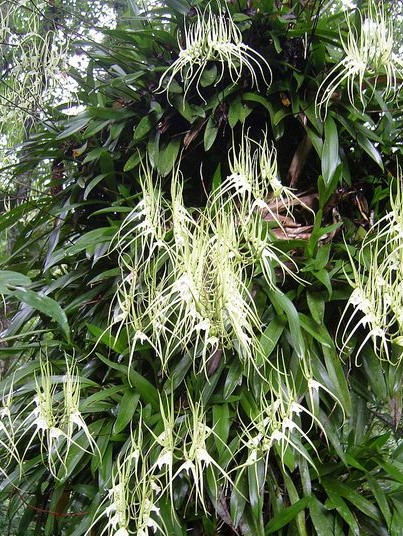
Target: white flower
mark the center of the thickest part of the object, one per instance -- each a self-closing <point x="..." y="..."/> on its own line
<point x="213" y="37"/>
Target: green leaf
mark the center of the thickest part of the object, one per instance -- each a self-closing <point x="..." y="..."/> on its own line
<point x="381" y="498"/>
<point x="208" y="76"/>
<point x="126" y="410"/>
<point x="330" y="152"/>
<point x="210" y="134"/>
<point x="91" y="239"/>
<point x="238" y="499"/>
<point x="45" y="305"/>
<point x="146" y="389"/>
<point x="236" y="112"/>
<point x="221" y="426"/>
<point x="270" y="338"/>
<point x="322" y="521"/>
<point x="337" y="502"/>
<point x="12" y="279"/>
<point x="132" y="162"/>
<point x="283" y="303"/>
<point x="338" y="377"/>
<point x="370" y="149"/>
<point x="233" y="378"/>
<point x="294" y="498"/>
<point x="181" y="6"/>
<point x="93" y="182"/>
<point x="284" y="517"/>
<point x="318" y="331"/>
<point x="255" y="483"/>
<point x="143" y="128"/>
<point x="75" y="125"/>
<point x="353" y="496"/>
<point x="375" y="374"/>
<point x="316" y="305"/>
<point x="104" y="336"/>
<point x="167" y="156"/>
<point x="90" y="404"/>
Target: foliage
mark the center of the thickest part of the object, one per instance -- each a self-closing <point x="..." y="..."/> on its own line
<point x="177" y="354"/>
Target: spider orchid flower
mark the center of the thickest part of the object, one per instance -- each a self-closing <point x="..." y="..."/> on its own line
<point x="167" y="441"/>
<point x="371" y="299"/>
<point x="147" y="510"/>
<point x="367" y="52"/>
<point x="195" y="453"/>
<point x="213" y="38"/>
<point x="44" y="420"/>
<point x="119" y="511"/>
<point x="278" y="421"/>
<point x="72" y="418"/>
<point x="145" y="226"/>
<point x="252" y="183"/>
<point x="54" y="418"/>
<point x="204" y="304"/>
<point x="7" y="429"/>
<point x="378" y="285"/>
<point x="126" y="309"/>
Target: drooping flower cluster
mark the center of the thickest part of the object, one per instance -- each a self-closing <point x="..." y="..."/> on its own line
<point x="278" y="421"/>
<point x="213" y="38"/>
<point x="185" y="276"/>
<point x="368" y="54"/>
<point x="378" y="282"/>
<point x="55" y="421"/>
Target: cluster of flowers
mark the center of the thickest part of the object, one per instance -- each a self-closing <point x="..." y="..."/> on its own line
<point x="55" y="421"/>
<point x="186" y="276"/>
<point x="368" y="53"/>
<point x="378" y="282"/>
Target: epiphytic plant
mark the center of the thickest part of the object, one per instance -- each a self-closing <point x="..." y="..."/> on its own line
<point x="378" y="281"/>
<point x="368" y="50"/>
<point x="213" y="38"/>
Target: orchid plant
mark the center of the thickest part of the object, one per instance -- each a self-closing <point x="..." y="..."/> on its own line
<point x="378" y="282"/>
<point x="213" y="37"/>
<point x="368" y="53"/>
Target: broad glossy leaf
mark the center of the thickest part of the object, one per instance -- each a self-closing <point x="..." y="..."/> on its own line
<point x="283" y="303"/>
<point x="132" y="162"/>
<point x="12" y="279"/>
<point x="316" y="304"/>
<point x="45" y="305"/>
<point x="74" y="126"/>
<point x="336" y="501"/>
<point x="370" y="149"/>
<point x="210" y="134"/>
<point x="284" y="517"/>
<point x="221" y="425"/>
<point x="380" y="495"/>
<point x="330" y="151"/>
<point x="91" y="239"/>
<point x="167" y="156"/>
<point x="126" y="410"/>
<point x="270" y="337"/>
<point x="321" y="519"/>
<point x="238" y="499"/>
<point x="234" y="378"/>
<point x="350" y="493"/>
<point x="146" y="389"/>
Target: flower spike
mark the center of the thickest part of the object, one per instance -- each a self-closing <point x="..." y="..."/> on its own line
<point x="213" y="37"/>
<point x="367" y="51"/>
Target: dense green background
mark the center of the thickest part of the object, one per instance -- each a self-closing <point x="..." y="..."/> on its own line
<point x="80" y="178"/>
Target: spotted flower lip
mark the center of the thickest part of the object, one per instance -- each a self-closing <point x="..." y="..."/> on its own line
<point x="213" y="38"/>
